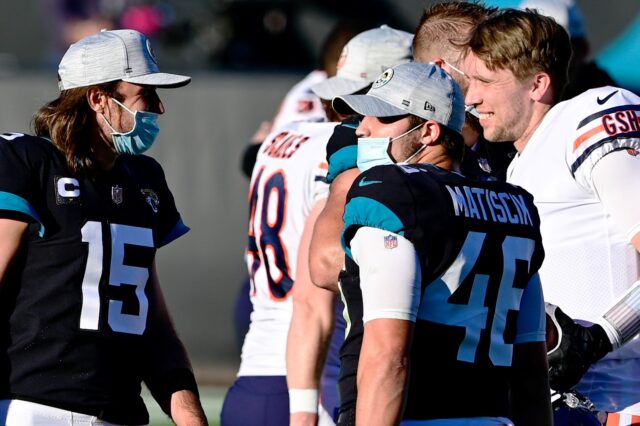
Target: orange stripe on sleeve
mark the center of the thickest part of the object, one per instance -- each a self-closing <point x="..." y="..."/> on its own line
<point x="622" y="419"/>
<point x="583" y="137"/>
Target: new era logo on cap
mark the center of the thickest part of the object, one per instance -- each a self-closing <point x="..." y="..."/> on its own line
<point x="423" y="90"/>
<point x="113" y="55"/>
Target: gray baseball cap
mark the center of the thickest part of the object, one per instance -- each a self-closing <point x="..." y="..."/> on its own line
<point x="363" y="58"/>
<point x="425" y="90"/>
<point x="113" y="55"/>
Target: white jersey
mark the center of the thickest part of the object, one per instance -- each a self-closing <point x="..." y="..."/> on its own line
<point x="288" y="179"/>
<point x="589" y="260"/>
<point x="300" y="103"/>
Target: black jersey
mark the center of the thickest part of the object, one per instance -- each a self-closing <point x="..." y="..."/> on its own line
<point x="80" y="327"/>
<point x="479" y="248"/>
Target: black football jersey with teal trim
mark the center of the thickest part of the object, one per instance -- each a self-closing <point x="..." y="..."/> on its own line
<point x="479" y="246"/>
<point x="78" y="318"/>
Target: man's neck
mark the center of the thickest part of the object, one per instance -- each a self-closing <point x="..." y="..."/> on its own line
<point x="103" y="154"/>
<point x="538" y="115"/>
<point x="438" y="156"/>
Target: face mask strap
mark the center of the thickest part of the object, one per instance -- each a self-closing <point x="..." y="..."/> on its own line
<point x="401" y="136"/>
<point x="456" y="69"/>
<point x="407" y="132"/>
<point x="122" y="105"/>
<point x="418" y="151"/>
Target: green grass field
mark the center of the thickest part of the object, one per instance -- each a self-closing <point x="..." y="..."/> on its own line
<point x="211" y="397"/>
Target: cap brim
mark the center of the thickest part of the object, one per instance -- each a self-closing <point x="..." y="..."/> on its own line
<point x="336" y="86"/>
<point x="365" y="105"/>
<point x="160" y="79"/>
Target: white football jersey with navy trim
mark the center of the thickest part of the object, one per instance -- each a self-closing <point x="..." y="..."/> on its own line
<point x="589" y="260"/>
<point x="289" y="177"/>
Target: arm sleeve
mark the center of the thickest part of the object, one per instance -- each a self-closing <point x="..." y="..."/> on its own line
<point x="599" y="123"/>
<point x="531" y="319"/>
<point x="389" y="274"/>
<point x="171" y="226"/>
<point x="615" y="177"/>
<point x="342" y="148"/>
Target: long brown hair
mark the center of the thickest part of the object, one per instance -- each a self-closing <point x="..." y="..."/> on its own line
<point x="69" y="122"/>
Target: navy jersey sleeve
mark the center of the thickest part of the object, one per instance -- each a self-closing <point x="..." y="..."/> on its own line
<point x="532" y="319"/>
<point x="19" y="183"/>
<point x="342" y="148"/>
<point x="379" y="198"/>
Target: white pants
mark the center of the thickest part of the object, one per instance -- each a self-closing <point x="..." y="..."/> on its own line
<point x="14" y="412"/>
<point x="474" y="421"/>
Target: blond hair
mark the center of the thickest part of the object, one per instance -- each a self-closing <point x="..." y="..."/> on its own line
<point x="525" y="43"/>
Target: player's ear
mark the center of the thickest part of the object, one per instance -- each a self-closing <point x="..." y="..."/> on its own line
<point x="540" y="86"/>
<point x="430" y="132"/>
<point x="97" y="99"/>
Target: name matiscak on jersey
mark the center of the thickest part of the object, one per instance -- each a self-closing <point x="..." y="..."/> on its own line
<point x="485" y="204"/>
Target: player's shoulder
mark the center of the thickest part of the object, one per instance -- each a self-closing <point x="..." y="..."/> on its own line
<point x="377" y="180"/>
<point x="25" y="145"/>
<point x="596" y="105"/>
<point x="142" y="165"/>
<point x="596" y="123"/>
<point x="23" y="139"/>
<point x="384" y="186"/>
<point x="379" y="198"/>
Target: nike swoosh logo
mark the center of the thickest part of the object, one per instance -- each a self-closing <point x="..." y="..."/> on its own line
<point x="606" y="98"/>
<point x="365" y="182"/>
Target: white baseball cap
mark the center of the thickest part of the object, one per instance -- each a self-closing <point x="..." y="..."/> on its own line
<point x="424" y="90"/>
<point x="363" y="58"/>
<point x="113" y="55"/>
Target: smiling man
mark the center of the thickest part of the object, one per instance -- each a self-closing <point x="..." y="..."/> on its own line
<point x="579" y="159"/>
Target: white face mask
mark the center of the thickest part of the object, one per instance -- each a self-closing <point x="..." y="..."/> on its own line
<point x="141" y="137"/>
<point x="375" y="151"/>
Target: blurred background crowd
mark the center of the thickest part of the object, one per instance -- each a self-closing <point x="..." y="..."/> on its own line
<point x="261" y="35"/>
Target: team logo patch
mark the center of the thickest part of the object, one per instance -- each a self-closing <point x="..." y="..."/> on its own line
<point x="116" y="194"/>
<point x="67" y="190"/>
<point x="151" y="198"/>
<point x="390" y="241"/>
<point x="632" y="151"/>
<point x="383" y="79"/>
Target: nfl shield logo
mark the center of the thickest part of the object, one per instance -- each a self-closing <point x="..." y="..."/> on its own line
<point x="116" y="194"/>
<point x="390" y="242"/>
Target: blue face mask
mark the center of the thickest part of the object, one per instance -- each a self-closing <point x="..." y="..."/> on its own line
<point x="141" y="137"/>
<point x="375" y="151"/>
